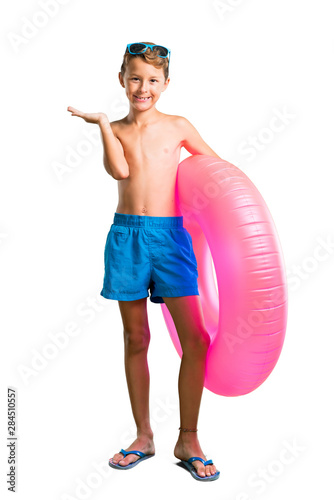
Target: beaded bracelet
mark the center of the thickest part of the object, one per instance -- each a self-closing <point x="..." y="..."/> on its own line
<point x="187" y="430"/>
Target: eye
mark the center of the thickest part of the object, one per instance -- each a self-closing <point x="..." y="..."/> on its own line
<point x="154" y="80"/>
<point x="135" y="78"/>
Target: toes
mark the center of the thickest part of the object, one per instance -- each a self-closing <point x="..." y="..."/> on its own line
<point x="120" y="460"/>
<point x="208" y="470"/>
<point x="212" y="470"/>
<point x="201" y="471"/>
<point x="116" y="458"/>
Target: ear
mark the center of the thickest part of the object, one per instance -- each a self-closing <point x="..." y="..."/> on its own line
<point x="166" y="84"/>
<point x="121" y="80"/>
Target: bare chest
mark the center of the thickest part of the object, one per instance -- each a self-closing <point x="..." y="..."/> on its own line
<point x="154" y="147"/>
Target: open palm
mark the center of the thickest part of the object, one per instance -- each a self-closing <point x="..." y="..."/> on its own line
<point x="88" y="117"/>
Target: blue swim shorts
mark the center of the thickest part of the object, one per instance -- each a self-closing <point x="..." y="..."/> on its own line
<point x="144" y="252"/>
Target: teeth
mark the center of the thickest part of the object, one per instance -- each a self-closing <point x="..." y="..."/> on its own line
<point x="145" y="98"/>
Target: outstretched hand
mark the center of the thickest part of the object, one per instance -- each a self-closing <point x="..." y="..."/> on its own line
<point x="88" y="117"/>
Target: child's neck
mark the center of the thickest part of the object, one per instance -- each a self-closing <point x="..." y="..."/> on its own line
<point x="140" y="118"/>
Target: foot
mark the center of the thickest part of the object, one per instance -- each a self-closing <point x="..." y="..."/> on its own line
<point x="144" y="444"/>
<point x="187" y="447"/>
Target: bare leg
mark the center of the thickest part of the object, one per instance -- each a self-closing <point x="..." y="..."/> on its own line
<point x="136" y="343"/>
<point x="188" y="319"/>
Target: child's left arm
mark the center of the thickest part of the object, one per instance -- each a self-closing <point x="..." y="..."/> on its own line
<point x="192" y="141"/>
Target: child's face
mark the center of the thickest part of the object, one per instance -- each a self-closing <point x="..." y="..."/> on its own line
<point x="142" y="80"/>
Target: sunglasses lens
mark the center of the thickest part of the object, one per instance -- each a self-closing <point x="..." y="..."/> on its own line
<point x="162" y="50"/>
<point x="137" y="48"/>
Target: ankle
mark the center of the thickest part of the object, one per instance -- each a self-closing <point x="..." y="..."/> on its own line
<point x="188" y="434"/>
<point x="188" y="429"/>
<point x="148" y="434"/>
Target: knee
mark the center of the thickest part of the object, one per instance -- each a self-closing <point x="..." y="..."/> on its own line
<point x="136" y="340"/>
<point x="198" y="343"/>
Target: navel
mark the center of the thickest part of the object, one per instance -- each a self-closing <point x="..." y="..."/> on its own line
<point x="144" y="210"/>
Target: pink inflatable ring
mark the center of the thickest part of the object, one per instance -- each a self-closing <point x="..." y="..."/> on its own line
<point x="232" y="228"/>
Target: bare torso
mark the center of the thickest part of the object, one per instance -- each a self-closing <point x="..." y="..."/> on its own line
<point x="153" y="154"/>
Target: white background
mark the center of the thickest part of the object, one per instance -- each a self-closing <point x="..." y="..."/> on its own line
<point x="233" y="65"/>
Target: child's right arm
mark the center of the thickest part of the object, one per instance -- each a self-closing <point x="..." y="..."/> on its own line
<point x="113" y="155"/>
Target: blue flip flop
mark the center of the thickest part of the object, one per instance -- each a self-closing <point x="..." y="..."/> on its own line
<point x="188" y="465"/>
<point x="142" y="455"/>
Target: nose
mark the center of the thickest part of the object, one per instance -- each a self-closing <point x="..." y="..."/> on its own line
<point x="142" y="87"/>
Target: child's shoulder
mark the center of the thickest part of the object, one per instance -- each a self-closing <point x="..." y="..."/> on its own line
<point x="117" y="123"/>
<point x="178" y="119"/>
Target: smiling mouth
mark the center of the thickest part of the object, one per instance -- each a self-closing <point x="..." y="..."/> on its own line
<point x="142" y="98"/>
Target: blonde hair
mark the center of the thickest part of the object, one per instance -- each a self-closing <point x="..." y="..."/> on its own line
<point x="150" y="57"/>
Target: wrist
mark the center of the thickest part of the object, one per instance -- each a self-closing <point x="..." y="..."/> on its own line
<point x="103" y="120"/>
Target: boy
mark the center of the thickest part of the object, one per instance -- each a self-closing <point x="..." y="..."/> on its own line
<point x="148" y="247"/>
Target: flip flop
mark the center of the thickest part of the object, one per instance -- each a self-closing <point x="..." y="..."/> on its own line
<point x="142" y="455"/>
<point x="188" y="465"/>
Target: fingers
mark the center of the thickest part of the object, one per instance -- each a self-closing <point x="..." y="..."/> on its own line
<point x="75" y="112"/>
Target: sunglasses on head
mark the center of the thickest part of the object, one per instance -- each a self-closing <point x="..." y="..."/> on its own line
<point x="140" y="48"/>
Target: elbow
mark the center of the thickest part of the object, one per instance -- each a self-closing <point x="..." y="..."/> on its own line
<point x="120" y="177"/>
<point x="115" y="172"/>
<point x="123" y="174"/>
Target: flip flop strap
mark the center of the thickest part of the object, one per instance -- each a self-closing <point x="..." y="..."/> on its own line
<point x="135" y="452"/>
<point x="208" y="462"/>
